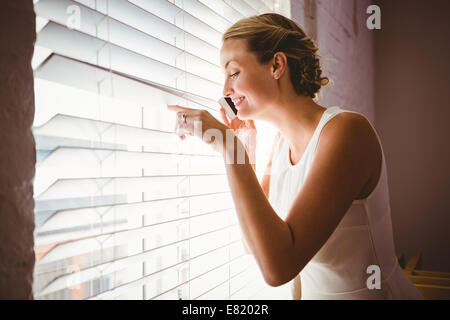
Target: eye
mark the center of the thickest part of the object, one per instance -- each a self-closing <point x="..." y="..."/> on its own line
<point x="234" y="74"/>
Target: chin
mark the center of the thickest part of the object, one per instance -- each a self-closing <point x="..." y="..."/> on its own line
<point x="242" y="115"/>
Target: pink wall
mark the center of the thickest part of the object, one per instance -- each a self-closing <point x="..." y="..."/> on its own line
<point x="398" y="78"/>
<point x="412" y="114"/>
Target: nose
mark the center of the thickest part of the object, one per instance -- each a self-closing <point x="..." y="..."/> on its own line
<point x="227" y="90"/>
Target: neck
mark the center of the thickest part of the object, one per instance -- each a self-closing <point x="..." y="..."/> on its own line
<point x="296" y="117"/>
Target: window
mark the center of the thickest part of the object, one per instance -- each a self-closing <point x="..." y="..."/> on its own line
<point x="123" y="208"/>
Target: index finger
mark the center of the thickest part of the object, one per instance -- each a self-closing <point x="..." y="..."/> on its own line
<point x="175" y="107"/>
<point x="224" y="117"/>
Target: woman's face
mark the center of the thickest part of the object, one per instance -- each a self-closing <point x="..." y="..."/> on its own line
<point x="248" y="83"/>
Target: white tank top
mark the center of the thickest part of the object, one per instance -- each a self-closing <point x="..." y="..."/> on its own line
<point x="362" y="239"/>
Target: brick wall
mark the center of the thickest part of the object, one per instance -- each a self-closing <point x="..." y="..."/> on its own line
<point x="17" y="149"/>
<point x="346" y="48"/>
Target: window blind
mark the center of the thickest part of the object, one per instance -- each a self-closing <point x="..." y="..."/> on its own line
<point x="123" y="208"/>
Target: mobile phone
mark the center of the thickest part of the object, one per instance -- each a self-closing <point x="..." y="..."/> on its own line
<point x="229" y="107"/>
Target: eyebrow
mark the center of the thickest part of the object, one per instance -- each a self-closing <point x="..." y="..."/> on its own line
<point x="226" y="64"/>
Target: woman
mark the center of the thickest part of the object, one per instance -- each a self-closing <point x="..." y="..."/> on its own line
<point x="322" y="208"/>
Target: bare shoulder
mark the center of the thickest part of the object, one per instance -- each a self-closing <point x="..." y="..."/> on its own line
<point x="353" y="127"/>
<point x="353" y="131"/>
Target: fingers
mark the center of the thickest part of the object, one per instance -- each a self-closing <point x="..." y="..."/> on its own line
<point x="224" y="117"/>
<point x="181" y="132"/>
<point x="251" y="124"/>
<point x="175" y="107"/>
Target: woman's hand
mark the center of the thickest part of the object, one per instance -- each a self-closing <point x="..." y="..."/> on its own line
<point x="245" y="130"/>
<point x="200" y="123"/>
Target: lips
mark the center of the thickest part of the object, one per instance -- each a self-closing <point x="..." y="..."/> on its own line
<point x="238" y="101"/>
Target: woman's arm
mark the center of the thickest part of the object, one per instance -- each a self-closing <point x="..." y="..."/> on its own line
<point x="263" y="230"/>
<point x="265" y="181"/>
<point x="343" y="164"/>
<point x="345" y="158"/>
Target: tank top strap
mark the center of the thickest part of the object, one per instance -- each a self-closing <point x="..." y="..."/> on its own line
<point x="328" y="114"/>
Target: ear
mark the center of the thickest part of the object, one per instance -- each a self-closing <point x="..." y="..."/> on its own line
<point x="279" y="64"/>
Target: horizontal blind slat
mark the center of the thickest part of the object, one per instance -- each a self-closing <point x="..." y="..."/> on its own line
<point x="75" y="163"/>
<point x="200" y="251"/>
<point x="185" y="20"/>
<point x="224" y="9"/>
<point x="208" y="280"/>
<point x="206" y="295"/>
<point x="79" y="132"/>
<point x="161" y="26"/>
<point x="85" y="76"/>
<point x="198" y="204"/>
<point x="251" y="288"/>
<point x="41" y="215"/>
<point x="79" y="188"/>
<point x="242" y="7"/>
<point x="111" y="30"/>
<point x="205" y="14"/>
<point x="86" y="245"/>
<point x="92" y="50"/>
<point x="95" y="223"/>
<point x="194" y="155"/>
<point x="261" y="6"/>
<point x="110" y="267"/>
<point x="138" y="282"/>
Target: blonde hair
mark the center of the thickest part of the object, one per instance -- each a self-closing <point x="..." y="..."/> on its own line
<point x="269" y="33"/>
